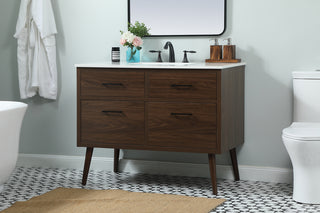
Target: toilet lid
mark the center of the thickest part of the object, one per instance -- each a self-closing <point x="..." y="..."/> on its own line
<point x="303" y="131"/>
<point x="306" y="75"/>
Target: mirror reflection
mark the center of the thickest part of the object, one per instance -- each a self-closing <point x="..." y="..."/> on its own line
<point x="179" y="17"/>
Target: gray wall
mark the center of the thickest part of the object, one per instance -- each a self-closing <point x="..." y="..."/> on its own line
<point x="273" y="37"/>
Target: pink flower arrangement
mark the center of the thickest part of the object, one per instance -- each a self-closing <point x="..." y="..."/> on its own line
<point x="131" y="40"/>
<point x="122" y="41"/>
<point x="132" y="37"/>
<point x="137" y="41"/>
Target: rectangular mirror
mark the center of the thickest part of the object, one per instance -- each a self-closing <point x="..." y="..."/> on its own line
<point x="179" y="17"/>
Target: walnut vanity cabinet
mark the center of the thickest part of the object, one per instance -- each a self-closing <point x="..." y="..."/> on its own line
<point x="161" y="109"/>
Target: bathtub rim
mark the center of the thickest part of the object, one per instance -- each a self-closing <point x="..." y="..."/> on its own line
<point x="10" y="105"/>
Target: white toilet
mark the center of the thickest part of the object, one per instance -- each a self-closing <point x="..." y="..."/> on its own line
<point x="302" y="138"/>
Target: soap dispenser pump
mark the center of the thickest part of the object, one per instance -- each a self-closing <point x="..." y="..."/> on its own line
<point x="229" y="51"/>
<point x="215" y="50"/>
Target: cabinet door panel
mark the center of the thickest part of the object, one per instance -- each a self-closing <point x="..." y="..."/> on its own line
<point x="101" y="83"/>
<point x="182" y="85"/>
<point x="182" y="124"/>
<point x="111" y="122"/>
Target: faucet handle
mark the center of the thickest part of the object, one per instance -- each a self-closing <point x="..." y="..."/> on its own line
<point x="159" y="54"/>
<point x="185" y="58"/>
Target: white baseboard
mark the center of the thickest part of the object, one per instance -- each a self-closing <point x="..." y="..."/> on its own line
<point x="253" y="173"/>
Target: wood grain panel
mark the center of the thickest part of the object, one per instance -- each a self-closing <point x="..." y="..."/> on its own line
<point x="182" y="85"/>
<point x="232" y="108"/>
<point x="113" y="83"/>
<point x="111" y="122"/>
<point x="182" y="124"/>
<point x="178" y="110"/>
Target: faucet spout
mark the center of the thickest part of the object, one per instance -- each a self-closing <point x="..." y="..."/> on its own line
<point x="171" y="51"/>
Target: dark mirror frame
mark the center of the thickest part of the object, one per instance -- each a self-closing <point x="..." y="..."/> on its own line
<point x="224" y="24"/>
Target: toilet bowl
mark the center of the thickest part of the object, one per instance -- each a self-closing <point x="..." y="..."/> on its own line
<point x="302" y="137"/>
<point x="302" y="141"/>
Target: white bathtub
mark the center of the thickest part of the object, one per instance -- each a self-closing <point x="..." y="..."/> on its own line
<point x="11" y="116"/>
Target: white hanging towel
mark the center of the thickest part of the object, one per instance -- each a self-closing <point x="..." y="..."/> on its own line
<point x="35" y="32"/>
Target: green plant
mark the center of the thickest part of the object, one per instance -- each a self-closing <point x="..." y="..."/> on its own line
<point x="138" y="29"/>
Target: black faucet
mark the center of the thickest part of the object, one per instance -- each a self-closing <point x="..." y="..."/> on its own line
<point x="171" y="51"/>
<point x="159" y="54"/>
<point x="185" y="58"/>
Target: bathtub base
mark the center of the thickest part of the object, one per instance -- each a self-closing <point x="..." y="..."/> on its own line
<point x="11" y="116"/>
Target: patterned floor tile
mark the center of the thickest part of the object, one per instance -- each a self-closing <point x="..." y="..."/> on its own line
<point x="242" y="196"/>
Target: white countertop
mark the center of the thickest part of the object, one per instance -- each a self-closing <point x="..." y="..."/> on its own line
<point x="163" y="65"/>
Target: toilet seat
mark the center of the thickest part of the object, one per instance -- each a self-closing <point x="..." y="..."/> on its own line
<point x="302" y="131"/>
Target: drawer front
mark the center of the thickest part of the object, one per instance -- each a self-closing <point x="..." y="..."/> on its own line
<point x="181" y="85"/>
<point x="182" y="124"/>
<point x="111" y="83"/>
<point x="111" y="122"/>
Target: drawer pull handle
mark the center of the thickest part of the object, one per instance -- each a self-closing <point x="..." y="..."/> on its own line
<point x="181" y="114"/>
<point x="180" y="86"/>
<point x="115" y="112"/>
<point x="112" y="84"/>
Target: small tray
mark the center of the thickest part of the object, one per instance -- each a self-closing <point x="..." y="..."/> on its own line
<point x="223" y="61"/>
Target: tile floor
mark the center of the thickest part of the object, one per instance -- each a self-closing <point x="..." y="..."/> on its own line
<point x="242" y="196"/>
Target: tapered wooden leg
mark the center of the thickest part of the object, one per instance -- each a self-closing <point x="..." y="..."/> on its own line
<point x="87" y="165"/>
<point x="116" y="160"/>
<point x="233" y="155"/>
<point x="212" y="165"/>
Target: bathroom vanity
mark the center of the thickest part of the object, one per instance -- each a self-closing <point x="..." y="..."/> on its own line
<point x="161" y="107"/>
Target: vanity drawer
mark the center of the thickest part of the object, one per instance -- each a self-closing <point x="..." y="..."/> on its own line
<point x="182" y="85"/>
<point x="182" y="124"/>
<point x="111" y="122"/>
<point x="111" y="83"/>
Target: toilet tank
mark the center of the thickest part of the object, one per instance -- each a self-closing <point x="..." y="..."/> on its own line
<point x="306" y="96"/>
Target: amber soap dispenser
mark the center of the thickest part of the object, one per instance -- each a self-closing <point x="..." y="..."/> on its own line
<point x="215" y="50"/>
<point x="229" y="51"/>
